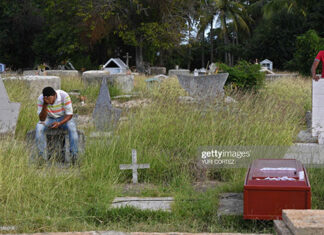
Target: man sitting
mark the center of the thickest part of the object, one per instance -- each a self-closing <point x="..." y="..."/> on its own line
<point x="55" y="111"/>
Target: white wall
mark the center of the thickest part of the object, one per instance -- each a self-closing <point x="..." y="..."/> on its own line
<point x="318" y="107"/>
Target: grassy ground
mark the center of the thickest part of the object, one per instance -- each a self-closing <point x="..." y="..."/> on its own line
<point x="166" y="134"/>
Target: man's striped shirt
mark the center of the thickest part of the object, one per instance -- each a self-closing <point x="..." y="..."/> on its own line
<point x="61" y="107"/>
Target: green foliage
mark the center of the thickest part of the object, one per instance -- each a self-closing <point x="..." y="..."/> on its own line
<point x="244" y="75"/>
<point x="307" y="47"/>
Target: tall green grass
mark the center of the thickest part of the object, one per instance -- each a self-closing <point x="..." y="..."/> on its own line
<point x="165" y="134"/>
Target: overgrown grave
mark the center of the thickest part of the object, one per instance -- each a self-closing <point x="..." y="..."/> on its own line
<point x="142" y="203"/>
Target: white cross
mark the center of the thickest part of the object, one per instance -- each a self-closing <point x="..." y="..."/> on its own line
<point x="134" y="166"/>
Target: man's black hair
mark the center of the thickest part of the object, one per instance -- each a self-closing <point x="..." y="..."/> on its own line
<point x="48" y="91"/>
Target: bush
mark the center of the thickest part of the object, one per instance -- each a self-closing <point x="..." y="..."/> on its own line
<point x="308" y="45"/>
<point x="244" y="75"/>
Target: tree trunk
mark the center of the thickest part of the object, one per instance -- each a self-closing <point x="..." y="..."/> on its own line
<point x="139" y="56"/>
<point x="189" y="46"/>
<point x="211" y="42"/>
<point x="203" y="50"/>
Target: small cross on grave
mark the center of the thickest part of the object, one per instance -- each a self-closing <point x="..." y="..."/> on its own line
<point x="134" y="166"/>
<point x="127" y="58"/>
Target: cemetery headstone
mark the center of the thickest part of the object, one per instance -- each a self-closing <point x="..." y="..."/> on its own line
<point x="105" y="115"/>
<point x="124" y="82"/>
<point x="174" y="72"/>
<point x="204" y="86"/>
<point x="8" y="112"/>
<point x="134" y="166"/>
<point x="157" y="70"/>
<point x="127" y="57"/>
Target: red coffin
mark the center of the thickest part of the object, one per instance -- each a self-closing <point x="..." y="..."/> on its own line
<point x="272" y="185"/>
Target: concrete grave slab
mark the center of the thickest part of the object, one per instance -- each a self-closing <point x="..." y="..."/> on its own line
<point x="37" y="83"/>
<point x="310" y="154"/>
<point x="9" y="112"/>
<point x="147" y="203"/>
<point x="204" y="86"/>
<point x="64" y="73"/>
<point x="304" y="222"/>
<point x="175" y="72"/>
<point x="281" y="228"/>
<point x="124" y="82"/>
<point x="230" y="204"/>
<point x="157" y="70"/>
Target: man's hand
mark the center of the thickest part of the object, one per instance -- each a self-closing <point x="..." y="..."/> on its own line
<point x="46" y="100"/>
<point x="55" y="125"/>
<point x="316" y="78"/>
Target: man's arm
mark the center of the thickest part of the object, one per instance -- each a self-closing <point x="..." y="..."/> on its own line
<point x="313" y="70"/>
<point x="43" y="113"/>
<point x="65" y="119"/>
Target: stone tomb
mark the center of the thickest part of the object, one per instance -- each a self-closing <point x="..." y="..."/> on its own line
<point x="175" y="72"/>
<point x="57" y="144"/>
<point x="36" y="84"/>
<point x="104" y="114"/>
<point x="204" y="86"/>
<point x="124" y="82"/>
<point x="64" y="73"/>
<point x="9" y="112"/>
<point x="157" y="70"/>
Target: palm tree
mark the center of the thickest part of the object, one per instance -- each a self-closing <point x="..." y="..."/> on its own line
<point x="234" y="13"/>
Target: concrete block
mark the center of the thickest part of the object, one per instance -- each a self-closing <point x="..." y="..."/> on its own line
<point x="57" y="144"/>
<point x="146" y="203"/>
<point x="36" y="83"/>
<point x="204" y="86"/>
<point x="230" y="204"/>
<point x="281" y="228"/>
<point x="175" y="72"/>
<point x="64" y="73"/>
<point x="310" y="154"/>
<point x="124" y="82"/>
<point x="304" y="222"/>
<point x="157" y="70"/>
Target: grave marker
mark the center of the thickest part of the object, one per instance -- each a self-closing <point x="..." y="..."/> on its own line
<point x="8" y="112"/>
<point x="134" y="166"/>
<point x="204" y="86"/>
<point x="105" y="115"/>
<point x="127" y="58"/>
